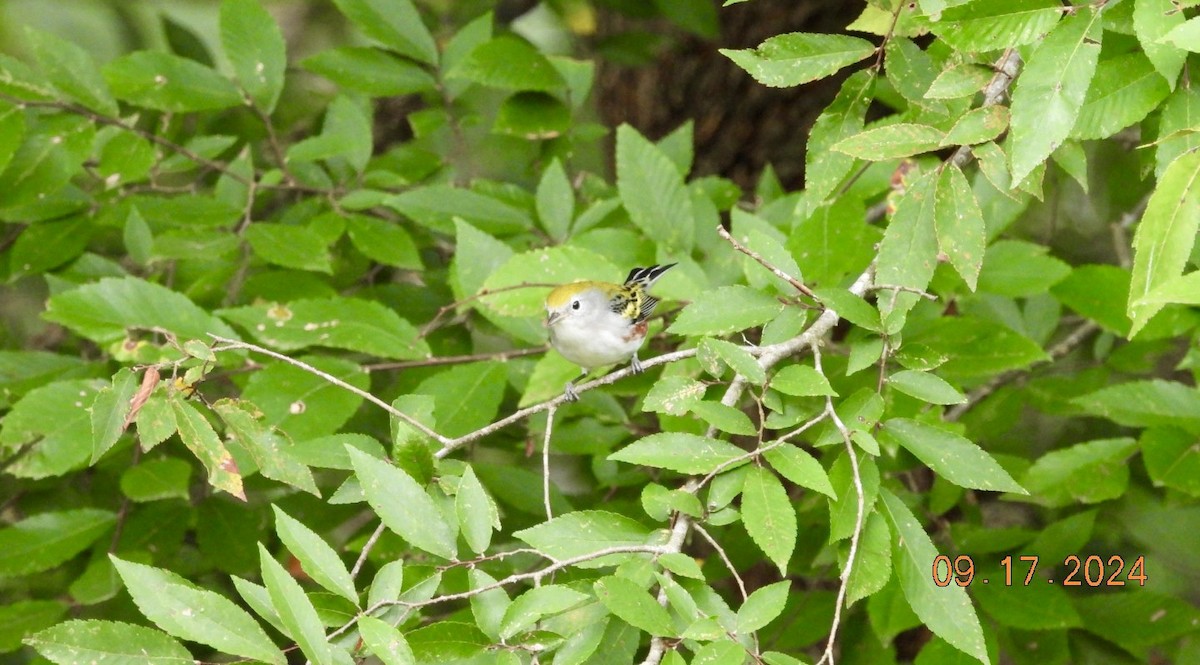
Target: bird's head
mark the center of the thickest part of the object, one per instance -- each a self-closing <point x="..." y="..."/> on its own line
<point x="577" y="300"/>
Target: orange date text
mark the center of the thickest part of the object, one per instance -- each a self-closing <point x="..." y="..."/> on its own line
<point x="1092" y="570"/>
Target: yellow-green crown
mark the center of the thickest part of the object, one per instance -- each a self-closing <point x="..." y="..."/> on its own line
<point x="562" y="294"/>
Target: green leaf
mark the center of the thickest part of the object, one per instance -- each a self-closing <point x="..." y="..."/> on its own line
<point x="533" y="116"/>
<point x="341" y="323"/>
<point x="1182" y="290"/>
<point x="1172" y="459"/>
<point x="1098" y="292"/>
<point x="961" y="80"/>
<point x="1051" y="90"/>
<point x="1185" y="36"/>
<point x="685" y="453"/>
<point x="477" y="513"/>
<point x="908" y="253"/>
<point x="583" y="532"/>
<point x="977" y="348"/>
<point x="296" y="612"/>
<point x="394" y="23"/>
<point x="674" y="395"/>
<point x="104" y="310"/>
<point x="725" y="418"/>
<point x="54" y="419"/>
<point x="195" y="614"/>
<point x="508" y="62"/>
<point x="372" y="71"/>
<point x="383" y="241"/>
<point x="47" y="245"/>
<point x="318" y="559"/>
<point x="446" y="641"/>
<point x="1035" y="606"/>
<point x="958" y="221"/>
<point x="108" y="643"/>
<point x="110" y="412"/>
<point x="44" y="541"/>
<point x="157" y="479"/>
<point x="926" y="387"/>
<point x="653" y="192"/>
<point x="466" y="397"/>
<point x="387" y="583"/>
<point x="438" y="206"/>
<point x="168" y="82"/>
<point x="824" y="169"/>
<point x="724" y="310"/>
<point x="478" y="255"/>
<point x="1084" y="473"/>
<point x="403" y="505"/>
<point x="801" y="468"/>
<point x="762" y="606"/>
<point x="529" y="608"/>
<point x="385" y="642"/>
<point x="1152" y="20"/>
<point x="45" y="162"/>
<point x="891" y="142"/>
<point x="290" y="246"/>
<point x="946" y="611"/>
<point x="1136" y="619"/>
<point x="737" y="358"/>
<point x="951" y="456"/>
<point x="273" y="453"/>
<point x="198" y="435"/>
<point x="768" y="516"/>
<point x="719" y="652"/>
<point x="851" y="307"/>
<point x="72" y="70"/>
<point x="1125" y="90"/>
<point x="631" y="603"/>
<point x="19" y="81"/>
<point x="488" y="607"/>
<point x="12" y="132"/>
<point x="345" y="134"/>
<point x="302" y="405"/>
<point x="1146" y="404"/>
<point x="801" y="381"/>
<point x="873" y="562"/>
<point x="555" y="201"/>
<point x="987" y="25"/>
<point x="254" y="45"/>
<point x="791" y="59"/>
<point x="1164" y="238"/>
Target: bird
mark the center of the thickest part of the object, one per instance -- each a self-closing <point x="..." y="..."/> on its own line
<point x="594" y="323"/>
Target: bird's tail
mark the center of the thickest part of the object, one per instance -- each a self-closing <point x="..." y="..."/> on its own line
<point x="646" y="277"/>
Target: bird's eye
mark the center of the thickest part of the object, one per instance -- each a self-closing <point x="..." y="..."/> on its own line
<point x="575" y="304"/>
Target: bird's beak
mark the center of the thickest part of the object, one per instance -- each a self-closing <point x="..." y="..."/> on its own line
<point x="553" y="318"/>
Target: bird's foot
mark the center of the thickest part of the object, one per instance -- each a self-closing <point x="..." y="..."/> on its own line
<point x="636" y="365"/>
<point x="570" y="393"/>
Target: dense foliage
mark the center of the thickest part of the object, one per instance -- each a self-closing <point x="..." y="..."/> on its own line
<point x="274" y="385"/>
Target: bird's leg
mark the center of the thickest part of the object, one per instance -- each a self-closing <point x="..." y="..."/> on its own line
<point x="635" y="364"/>
<point x="573" y="396"/>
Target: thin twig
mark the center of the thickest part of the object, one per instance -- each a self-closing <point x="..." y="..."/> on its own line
<point x="457" y="360"/>
<point x="724" y="557"/>
<point x="546" y="463"/>
<point x="858" y="517"/>
<point x="232" y="344"/>
<point x="370" y="544"/>
<point x="796" y="284"/>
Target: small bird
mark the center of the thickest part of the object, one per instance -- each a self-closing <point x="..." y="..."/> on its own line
<point x="600" y="323"/>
